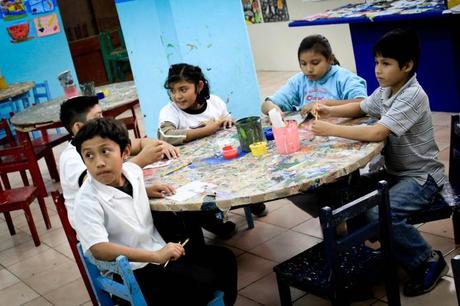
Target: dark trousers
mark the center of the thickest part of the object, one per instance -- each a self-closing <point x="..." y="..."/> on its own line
<point x="192" y="279"/>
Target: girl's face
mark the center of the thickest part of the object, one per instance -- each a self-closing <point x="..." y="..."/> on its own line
<point x="389" y="74"/>
<point x="184" y="94"/>
<point x="314" y="65"/>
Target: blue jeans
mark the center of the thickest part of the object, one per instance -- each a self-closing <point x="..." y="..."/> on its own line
<point x="406" y="196"/>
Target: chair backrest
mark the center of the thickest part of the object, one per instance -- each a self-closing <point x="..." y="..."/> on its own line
<point x="103" y="285"/>
<point x="105" y="41"/>
<point x="58" y="200"/>
<point x="41" y="90"/>
<point x="334" y="244"/>
<point x="8" y="138"/>
<point x="454" y="156"/>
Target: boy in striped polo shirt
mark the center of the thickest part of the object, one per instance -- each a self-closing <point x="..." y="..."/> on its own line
<point x="412" y="167"/>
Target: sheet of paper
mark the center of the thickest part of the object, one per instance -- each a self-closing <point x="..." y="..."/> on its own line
<point x="190" y="190"/>
<point x="159" y="164"/>
<point x="297" y="117"/>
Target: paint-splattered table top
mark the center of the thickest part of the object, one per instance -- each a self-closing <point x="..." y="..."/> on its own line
<point x="16" y="89"/>
<point x="47" y="113"/>
<point x="248" y="179"/>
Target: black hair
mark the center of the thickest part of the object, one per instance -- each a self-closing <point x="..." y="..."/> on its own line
<point x="319" y="44"/>
<point x="110" y="128"/>
<point x="401" y="45"/>
<point x="188" y="73"/>
<point x="75" y="110"/>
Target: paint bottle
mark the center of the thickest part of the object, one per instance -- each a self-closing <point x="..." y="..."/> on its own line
<point x="3" y="83"/>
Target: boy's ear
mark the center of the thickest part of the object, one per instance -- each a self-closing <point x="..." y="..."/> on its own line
<point x="76" y="127"/>
<point x="126" y="152"/>
<point x="407" y="67"/>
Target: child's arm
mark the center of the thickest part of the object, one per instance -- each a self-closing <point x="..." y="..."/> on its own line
<point x="209" y="128"/>
<point x="108" y="251"/>
<point x="308" y="107"/>
<point x="159" y="190"/>
<point x="374" y="133"/>
<point x="350" y="110"/>
<point x="148" y="150"/>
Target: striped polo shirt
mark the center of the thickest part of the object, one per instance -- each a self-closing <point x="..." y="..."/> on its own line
<point x="410" y="149"/>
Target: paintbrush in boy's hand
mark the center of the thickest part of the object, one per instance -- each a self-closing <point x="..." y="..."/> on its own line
<point x="182" y="244"/>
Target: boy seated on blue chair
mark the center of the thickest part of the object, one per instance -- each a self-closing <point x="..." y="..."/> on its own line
<point x="112" y="218"/>
<point x="412" y="167"/>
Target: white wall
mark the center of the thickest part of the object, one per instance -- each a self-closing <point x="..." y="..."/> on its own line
<point x="274" y="44"/>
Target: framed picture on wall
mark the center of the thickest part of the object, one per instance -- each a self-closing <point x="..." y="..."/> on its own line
<point x="40" y="6"/>
<point x="12" y="9"/>
<point x="274" y="10"/>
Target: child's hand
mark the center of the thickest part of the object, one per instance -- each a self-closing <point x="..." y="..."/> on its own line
<point x="321" y="110"/>
<point x="212" y="126"/>
<point x="171" y="251"/>
<point x="169" y="151"/>
<point x="227" y="122"/>
<point x="322" y="128"/>
<point x="307" y="108"/>
<point x="160" y="190"/>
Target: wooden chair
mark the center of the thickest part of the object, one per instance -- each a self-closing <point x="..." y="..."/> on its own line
<point x="446" y="203"/>
<point x="129" y="290"/>
<point x="455" y="261"/>
<point x="113" y="58"/>
<point x="339" y="267"/>
<point x="22" y="197"/>
<point x="58" y="200"/>
<point x="25" y="158"/>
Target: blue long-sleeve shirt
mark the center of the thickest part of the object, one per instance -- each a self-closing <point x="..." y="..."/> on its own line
<point x="337" y="84"/>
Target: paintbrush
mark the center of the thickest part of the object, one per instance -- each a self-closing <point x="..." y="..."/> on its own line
<point x="178" y="168"/>
<point x="182" y="244"/>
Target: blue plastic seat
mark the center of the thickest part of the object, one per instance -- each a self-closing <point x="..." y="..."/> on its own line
<point x="129" y="290"/>
<point x="341" y="268"/>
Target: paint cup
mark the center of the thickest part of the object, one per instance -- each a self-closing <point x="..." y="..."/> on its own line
<point x="229" y="152"/>
<point x="287" y="138"/>
<point x="258" y="148"/>
<point x="88" y="89"/>
<point x="249" y="131"/>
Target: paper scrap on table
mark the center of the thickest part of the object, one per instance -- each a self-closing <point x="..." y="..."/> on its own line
<point x="297" y="117"/>
<point x="190" y="190"/>
<point x="159" y="164"/>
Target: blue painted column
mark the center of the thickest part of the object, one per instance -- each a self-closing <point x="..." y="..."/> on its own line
<point x="208" y="33"/>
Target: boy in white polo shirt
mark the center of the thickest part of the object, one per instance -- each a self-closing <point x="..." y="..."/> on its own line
<point x="74" y="113"/>
<point x="412" y="167"/>
<point x="113" y="218"/>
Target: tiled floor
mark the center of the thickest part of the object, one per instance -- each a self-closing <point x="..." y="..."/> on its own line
<point x="47" y="275"/>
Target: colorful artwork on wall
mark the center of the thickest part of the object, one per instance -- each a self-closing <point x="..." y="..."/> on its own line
<point x="12" y="9"/>
<point x="252" y="13"/>
<point x="40" y="6"/>
<point x="274" y="10"/>
<point x="47" y="25"/>
<point x="19" y="32"/>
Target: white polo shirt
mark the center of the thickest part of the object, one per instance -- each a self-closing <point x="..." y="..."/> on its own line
<point x="71" y="168"/>
<point x="106" y="214"/>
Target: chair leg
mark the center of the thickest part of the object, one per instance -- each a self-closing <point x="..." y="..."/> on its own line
<point x="9" y="222"/>
<point x="5" y="180"/>
<point x="44" y="211"/>
<point x="31" y="223"/>
<point x="249" y="218"/>
<point x="24" y="178"/>
<point x="284" y="292"/>
<point x="456" y="225"/>
<point x="51" y="164"/>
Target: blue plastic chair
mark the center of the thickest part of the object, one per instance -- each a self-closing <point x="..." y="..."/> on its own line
<point x="41" y="90"/>
<point x="129" y="290"/>
<point x="341" y="267"/>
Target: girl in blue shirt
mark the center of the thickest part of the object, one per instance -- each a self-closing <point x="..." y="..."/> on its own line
<point x="321" y="80"/>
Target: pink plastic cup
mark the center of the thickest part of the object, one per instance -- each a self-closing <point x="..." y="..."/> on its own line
<point x="287" y="138"/>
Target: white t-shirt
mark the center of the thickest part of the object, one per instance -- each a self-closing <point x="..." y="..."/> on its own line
<point x="71" y="168"/>
<point x="216" y="108"/>
<point x="106" y="214"/>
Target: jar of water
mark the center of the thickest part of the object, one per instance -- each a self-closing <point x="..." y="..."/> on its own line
<point x="67" y="83"/>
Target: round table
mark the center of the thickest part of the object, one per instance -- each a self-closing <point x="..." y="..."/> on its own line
<point x="248" y="179"/>
<point x="122" y="96"/>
